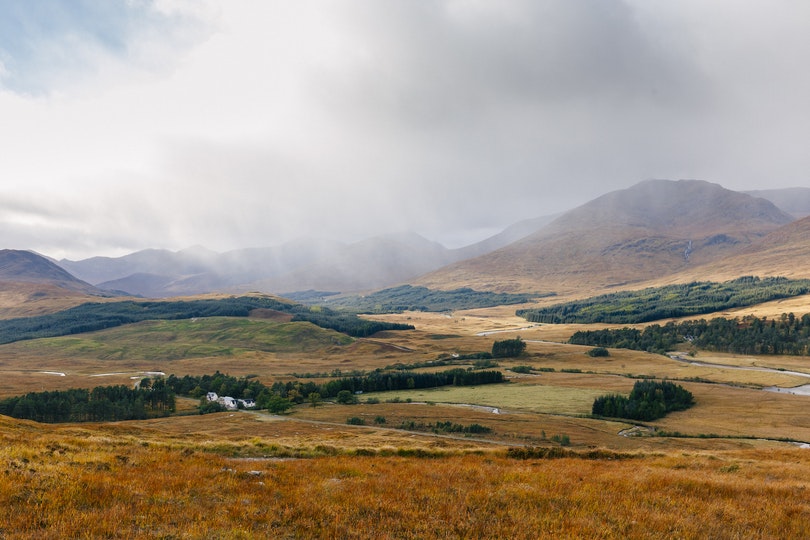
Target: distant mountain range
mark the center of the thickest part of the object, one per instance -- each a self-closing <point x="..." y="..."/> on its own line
<point x="304" y="264"/>
<point x="656" y="229"/>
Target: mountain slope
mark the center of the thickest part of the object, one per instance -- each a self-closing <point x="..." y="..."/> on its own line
<point x="32" y="285"/>
<point x="28" y="267"/>
<point x="655" y="228"/>
<point x="783" y="252"/>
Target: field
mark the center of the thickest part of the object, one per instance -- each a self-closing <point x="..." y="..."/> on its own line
<point x="150" y="481"/>
<point x="726" y="468"/>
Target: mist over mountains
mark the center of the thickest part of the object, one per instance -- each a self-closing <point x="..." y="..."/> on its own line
<point x="300" y="265"/>
<point x="654" y="229"/>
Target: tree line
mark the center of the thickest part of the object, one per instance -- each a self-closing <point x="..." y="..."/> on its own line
<point x="649" y="400"/>
<point x="786" y="334"/>
<point x="410" y="298"/>
<point x="101" y="404"/>
<point x="671" y="301"/>
<point x="156" y="397"/>
<point x="298" y="391"/>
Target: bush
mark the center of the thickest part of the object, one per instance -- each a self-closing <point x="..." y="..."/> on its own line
<point x="598" y="352"/>
<point x="562" y="440"/>
<point x="277" y="404"/>
<point x="345" y="397"/>
<point x="355" y="421"/>
<point x="521" y="369"/>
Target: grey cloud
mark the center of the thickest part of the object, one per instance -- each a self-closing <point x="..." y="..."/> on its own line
<point x="452" y="118"/>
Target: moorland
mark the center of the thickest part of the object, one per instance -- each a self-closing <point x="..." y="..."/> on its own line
<point x="352" y="440"/>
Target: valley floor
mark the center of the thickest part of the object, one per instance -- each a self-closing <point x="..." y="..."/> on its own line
<point x="538" y="467"/>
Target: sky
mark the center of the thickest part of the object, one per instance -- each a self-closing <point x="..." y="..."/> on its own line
<point x="133" y="124"/>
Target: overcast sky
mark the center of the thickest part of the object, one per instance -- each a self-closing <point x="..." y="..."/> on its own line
<point x="127" y="124"/>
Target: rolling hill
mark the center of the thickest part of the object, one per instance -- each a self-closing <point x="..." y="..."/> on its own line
<point x="653" y="229"/>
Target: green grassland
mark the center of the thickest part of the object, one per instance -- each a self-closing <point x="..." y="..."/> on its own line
<point x="191" y="338"/>
<point x="526" y="397"/>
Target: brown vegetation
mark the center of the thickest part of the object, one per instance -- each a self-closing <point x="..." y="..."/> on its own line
<point x="124" y="482"/>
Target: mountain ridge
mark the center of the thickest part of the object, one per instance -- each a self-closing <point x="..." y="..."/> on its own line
<point x="654" y="228"/>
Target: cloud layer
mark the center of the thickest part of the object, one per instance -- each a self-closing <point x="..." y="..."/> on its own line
<point x="231" y="124"/>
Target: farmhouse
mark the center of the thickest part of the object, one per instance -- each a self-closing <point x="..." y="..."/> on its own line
<point x="228" y="402"/>
<point x="231" y="403"/>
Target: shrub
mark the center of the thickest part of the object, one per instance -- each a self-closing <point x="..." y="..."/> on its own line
<point x="346" y="397"/>
<point x="521" y="369"/>
<point x="598" y="352"/>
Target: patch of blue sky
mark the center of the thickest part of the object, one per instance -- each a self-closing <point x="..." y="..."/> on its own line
<point x="44" y="41"/>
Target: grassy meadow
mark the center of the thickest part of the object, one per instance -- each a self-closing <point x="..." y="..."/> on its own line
<point x="725" y="468"/>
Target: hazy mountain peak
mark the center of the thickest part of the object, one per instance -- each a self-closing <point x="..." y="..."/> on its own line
<point x="674" y="207"/>
<point x="651" y="229"/>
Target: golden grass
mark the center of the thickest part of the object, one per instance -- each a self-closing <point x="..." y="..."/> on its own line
<point x="231" y="475"/>
<point x="120" y="481"/>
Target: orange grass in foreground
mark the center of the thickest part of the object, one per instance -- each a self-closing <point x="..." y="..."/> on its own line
<point x="76" y="482"/>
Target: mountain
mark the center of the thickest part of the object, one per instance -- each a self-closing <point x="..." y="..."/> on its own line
<point x="32" y="285"/>
<point x="794" y="201"/>
<point x="304" y="264"/>
<point x="98" y="270"/>
<point x="161" y="273"/>
<point x="655" y="228"/>
<point x="27" y="267"/>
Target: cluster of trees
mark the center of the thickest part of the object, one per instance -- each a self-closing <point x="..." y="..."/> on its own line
<point x="347" y="323"/>
<point x="786" y="334"/>
<point x="445" y="427"/>
<point x="98" y="316"/>
<point x="380" y="382"/>
<point x="282" y="395"/>
<point x="654" y="338"/>
<point x="101" y="404"/>
<point x="649" y="400"/>
<point x="508" y="348"/>
<point x="656" y="303"/>
<point x="410" y="298"/>
<point x="156" y="397"/>
<point x="197" y="386"/>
